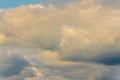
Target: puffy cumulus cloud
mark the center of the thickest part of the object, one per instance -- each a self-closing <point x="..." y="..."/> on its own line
<point x="78" y="42"/>
<point x="18" y="27"/>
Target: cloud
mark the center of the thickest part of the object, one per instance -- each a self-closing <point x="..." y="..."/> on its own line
<point x="83" y="30"/>
<point x="73" y="29"/>
<point x="15" y="66"/>
<point x="2" y="38"/>
<point x="105" y="3"/>
<point x="46" y="67"/>
<point x="79" y="41"/>
<point x="12" y="65"/>
<point x="109" y="3"/>
<point x="60" y="3"/>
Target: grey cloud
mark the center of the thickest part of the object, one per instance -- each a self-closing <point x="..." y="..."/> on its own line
<point x="85" y="72"/>
<point x="60" y="3"/>
<point x="109" y="3"/>
<point x="14" y="66"/>
<point x="64" y="70"/>
<point x="105" y="3"/>
<point x="102" y="58"/>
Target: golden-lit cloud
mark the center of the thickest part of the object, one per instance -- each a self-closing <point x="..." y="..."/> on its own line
<point x="79" y="41"/>
<point x="2" y="38"/>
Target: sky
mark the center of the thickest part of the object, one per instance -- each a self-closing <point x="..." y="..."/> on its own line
<point x="16" y="3"/>
<point x="60" y="40"/>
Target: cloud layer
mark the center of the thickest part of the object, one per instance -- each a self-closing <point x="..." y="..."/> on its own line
<point x="79" y="41"/>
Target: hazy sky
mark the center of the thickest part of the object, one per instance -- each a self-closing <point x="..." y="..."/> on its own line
<point x="60" y="40"/>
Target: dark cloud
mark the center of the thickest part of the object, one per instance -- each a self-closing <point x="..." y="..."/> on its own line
<point x="106" y="59"/>
<point x="112" y="60"/>
<point x="13" y="66"/>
